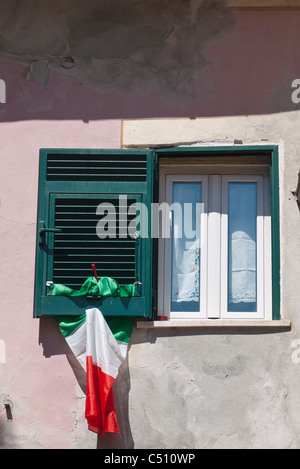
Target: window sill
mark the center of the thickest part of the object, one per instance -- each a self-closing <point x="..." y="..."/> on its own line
<point x="215" y="323"/>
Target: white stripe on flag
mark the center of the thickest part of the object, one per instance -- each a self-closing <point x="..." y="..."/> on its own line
<point x="77" y="343"/>
<point x="101" y="344"/>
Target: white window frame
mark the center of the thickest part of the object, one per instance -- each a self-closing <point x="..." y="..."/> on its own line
<point x="214" y="226"/>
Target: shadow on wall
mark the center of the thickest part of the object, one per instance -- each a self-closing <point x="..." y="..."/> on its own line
<point x="7" y="440"/>
<point x="123" y="440"/>
<point x="181" y="58"/>
<point x="54" y="344"/>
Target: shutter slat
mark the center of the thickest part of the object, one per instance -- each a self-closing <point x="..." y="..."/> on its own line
<point x="93" y="168"/>
<point x="78" y="246"/>
<point x="98" y="167"/>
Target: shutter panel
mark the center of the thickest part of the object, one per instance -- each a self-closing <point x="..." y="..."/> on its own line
<point x="72" y="185"/>
<point x="77" y="246"/>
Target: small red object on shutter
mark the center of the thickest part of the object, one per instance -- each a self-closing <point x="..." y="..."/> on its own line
<point x="95" y="272"/>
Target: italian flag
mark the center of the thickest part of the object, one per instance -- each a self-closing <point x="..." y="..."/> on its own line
<point x="100" y="346"/>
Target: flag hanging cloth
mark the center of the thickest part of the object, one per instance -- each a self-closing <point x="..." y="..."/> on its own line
<point x="100" y="346"/>
<point x="102" y="287"/>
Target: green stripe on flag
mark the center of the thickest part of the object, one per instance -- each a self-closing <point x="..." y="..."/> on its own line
<point x="68" y="324"/>
<point x="121" y="328"/>
<point x="105" y="286"/>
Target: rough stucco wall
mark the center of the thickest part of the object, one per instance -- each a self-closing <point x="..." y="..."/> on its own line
<point x="73" y="69"/>
<point x="239" y="389"/>
<point x="230" y="392"/>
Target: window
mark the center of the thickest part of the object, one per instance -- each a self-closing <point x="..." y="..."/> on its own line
<point x="229" y="265"/>
<point x="217" y="256"/>
<point x="216" y="263"/>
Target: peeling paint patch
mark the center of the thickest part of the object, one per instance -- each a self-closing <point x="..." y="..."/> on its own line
<point x="38" y="71"/>
<point x="118" y="45"/>
<point x="234" y="367"/>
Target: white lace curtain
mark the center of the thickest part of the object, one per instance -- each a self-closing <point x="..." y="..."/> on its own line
<point x="186" y="243"/>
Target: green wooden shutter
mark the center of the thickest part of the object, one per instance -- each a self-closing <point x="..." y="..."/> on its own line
<point x="72" y="184"/>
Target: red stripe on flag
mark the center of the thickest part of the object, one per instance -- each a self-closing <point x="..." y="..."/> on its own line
<point x="100" y="409"/>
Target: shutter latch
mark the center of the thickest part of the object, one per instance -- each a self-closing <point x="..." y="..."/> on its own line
<point x="44" y="230"/>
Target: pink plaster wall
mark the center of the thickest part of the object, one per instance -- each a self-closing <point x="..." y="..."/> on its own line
<point x="37" y="375"/>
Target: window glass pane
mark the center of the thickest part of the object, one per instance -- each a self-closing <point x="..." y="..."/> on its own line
<point x="242" y="246"/>
<point x="185" y="277"/>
